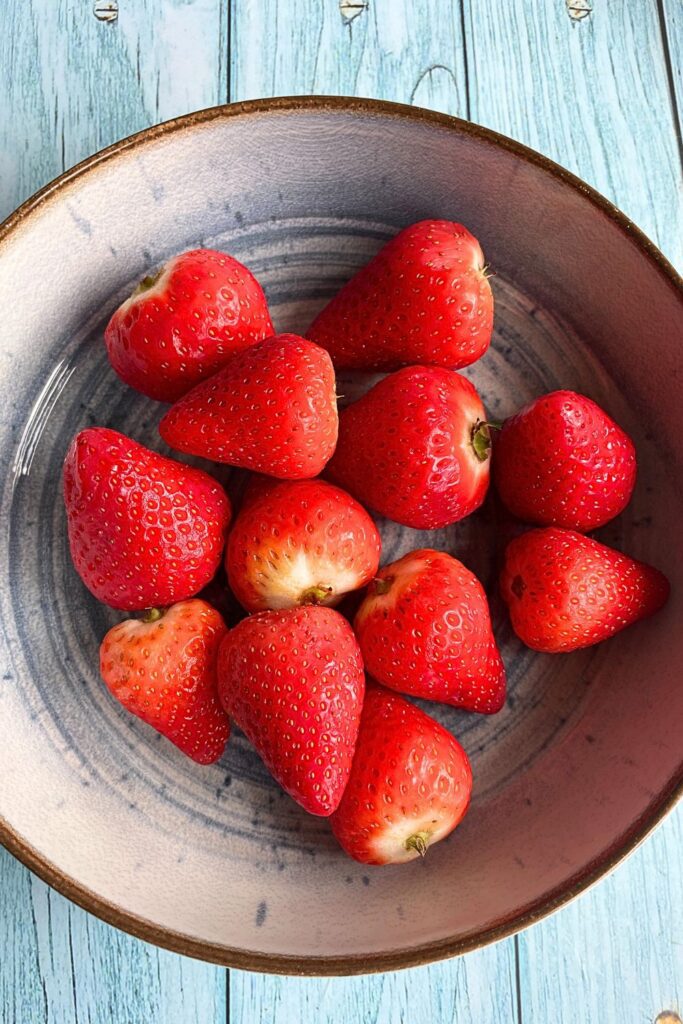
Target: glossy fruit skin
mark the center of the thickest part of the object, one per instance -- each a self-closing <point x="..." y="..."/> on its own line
<point x="164" y="672"/>
<point x="293" y="681"/>
<point x="144" y="530"/>
<point x="565" y="591"/>
<point x="204" y="307"/>
<point x="405" y="448"/>
<point x="300" y="542"/>
<point x="562" y="461"/>
<point x="410" y="779"/>
<point x="424" y="298"/>
<point x="424" y="628"/>
<point x="271" y="409"/>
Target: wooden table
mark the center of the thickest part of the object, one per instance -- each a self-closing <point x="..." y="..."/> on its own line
<point x="601" y="92"/>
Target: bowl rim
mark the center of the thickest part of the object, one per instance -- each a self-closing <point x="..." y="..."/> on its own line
<point x="441" y="949"/>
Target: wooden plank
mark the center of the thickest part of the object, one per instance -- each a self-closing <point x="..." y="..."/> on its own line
<point x="406" y="50"/>
<point x="71" y="83"/>
<point x="477" y="987"/>
<point x="411" y="51"/>
<point x="594" y="95"/>
<point x="615" y="954"/>
<point x="590" y="93"/>
<point x="62" y="966"/>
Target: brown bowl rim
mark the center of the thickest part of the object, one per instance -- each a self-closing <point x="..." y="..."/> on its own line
<point x="535" y="911"/>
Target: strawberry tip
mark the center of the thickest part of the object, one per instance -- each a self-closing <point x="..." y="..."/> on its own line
<point x="152" y="614"/>
<point x="381" y="585"/>
<point x="481" y="438"/>
<point x="419" y="841"/>
<point x="315" y="595"/>
<point x="147" y="282"/>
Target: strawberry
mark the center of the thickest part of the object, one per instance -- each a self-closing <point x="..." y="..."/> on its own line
<point x="562" y="461"/>
<point x="293" y="681"/>
<point x="272" y="409"/>
<point x="144" y="530"/>
<point x="299" y="542"/>
<point x="415" y="448"/>
<point x="409" y="787"/>
<point x="163" y="669"/>
<point x="424" y="298"/>
<point x="184" y="322"/>
<point x="565" y="591"/>
<point x="424" y="628"/>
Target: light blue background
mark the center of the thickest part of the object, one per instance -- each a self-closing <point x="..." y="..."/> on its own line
<point x="601" y="95"/>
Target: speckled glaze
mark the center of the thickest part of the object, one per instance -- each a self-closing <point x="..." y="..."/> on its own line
<point x="216" y="861"/>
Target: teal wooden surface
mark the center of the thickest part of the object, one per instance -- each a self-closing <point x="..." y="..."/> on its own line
<point x="602" y="95"/>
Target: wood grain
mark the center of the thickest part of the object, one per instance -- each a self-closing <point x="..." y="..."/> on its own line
<point x="71" y="84"/>
<point x="592" y="94"/>
<point x="616" y="954"/>
<point x="478" y="987"/>
<point x="63" y="966"/>
<point x="390" y="49"/>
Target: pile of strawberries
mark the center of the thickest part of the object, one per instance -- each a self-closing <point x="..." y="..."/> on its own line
<point x="149" y="533"/>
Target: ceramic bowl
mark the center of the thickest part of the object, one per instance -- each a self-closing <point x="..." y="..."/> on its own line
<point x="584" y="760"/>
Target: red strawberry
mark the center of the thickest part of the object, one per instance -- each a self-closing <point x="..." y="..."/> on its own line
<point x="300" y="542"/>
<point x="410" y="783"/>
<point x="424" y="628"/>
<point x="293" y="681"/>
<point x="144" y="530"/>
<point x="415" y="448"/>
<point x="163" y="669"/>
<point x="184" y="322"/>
<point x="566" y="591"/>
<point x="562" y="461"/>
<point x="272" y="409"/>
<point x="424" y="298"/>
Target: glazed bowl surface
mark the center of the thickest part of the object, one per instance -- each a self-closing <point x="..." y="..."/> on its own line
<point x="585" y="758"/>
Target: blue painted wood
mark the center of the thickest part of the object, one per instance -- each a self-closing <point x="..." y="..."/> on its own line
<point x="70" y="84"/>
<point x="59" y="965"/>
<point x="615" y="954"/>
<point x="404" y="50"/>
<point x="478" y="987"/>
<point x="594" y="94"/>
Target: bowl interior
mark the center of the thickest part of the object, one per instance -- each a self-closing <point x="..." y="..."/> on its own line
<point x="582" y="755"/>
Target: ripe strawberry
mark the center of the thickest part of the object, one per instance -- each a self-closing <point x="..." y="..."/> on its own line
<point x="300" y="542"/>
<point x="424" y="628"/>
<point x="163" y="669"/>
<point x="144" y="530"/>
<point x="562" y="461"/>
<point x="566" y="591"/>
<point x="183" y="323"/>
<point x="272" y="409"/>
<point x="409" y="787"/>
<point x="424" y="298"/>
<point x="415" y="448"/>
<point x="293" y="681"/>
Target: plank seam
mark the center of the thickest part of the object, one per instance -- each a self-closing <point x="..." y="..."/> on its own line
<point x="228" y="49"/>
<point x="518" y="979"/>
<point x="465" y="60"/>
<point x="670" y="79"/>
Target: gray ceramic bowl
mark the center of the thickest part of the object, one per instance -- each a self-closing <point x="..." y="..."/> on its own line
<point x="583" y="761"/>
